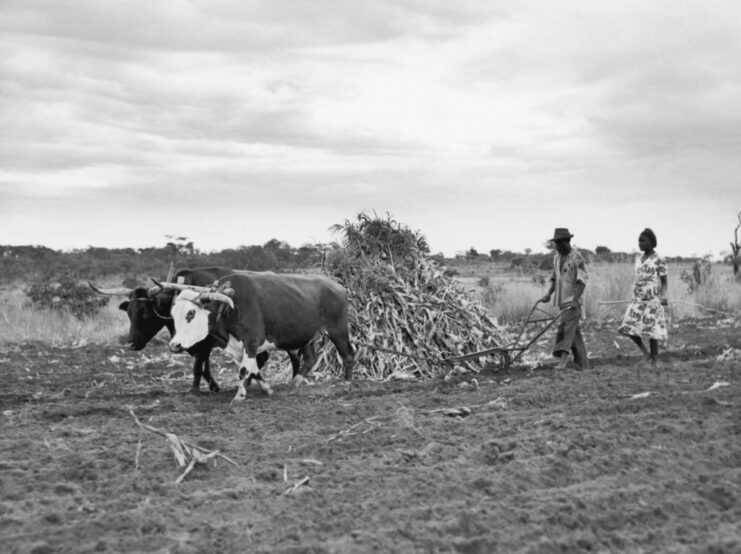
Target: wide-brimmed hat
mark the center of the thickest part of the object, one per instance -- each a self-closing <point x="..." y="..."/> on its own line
<point x="561" y="233"/>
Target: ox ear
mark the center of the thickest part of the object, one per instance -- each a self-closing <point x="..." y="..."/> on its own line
<point x="124" y="305"/>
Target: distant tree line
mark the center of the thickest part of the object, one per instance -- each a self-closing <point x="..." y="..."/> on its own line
<point x="530" y="260"/>
<point x="40" y="263"/>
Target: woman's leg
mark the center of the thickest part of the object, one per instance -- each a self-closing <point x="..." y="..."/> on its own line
<point x="654" y="350"/>
<point x="639" y="342"/>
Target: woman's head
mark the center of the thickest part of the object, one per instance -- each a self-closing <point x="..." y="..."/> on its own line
<point x="647" y="240"/>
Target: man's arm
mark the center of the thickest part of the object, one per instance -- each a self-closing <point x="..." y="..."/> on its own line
<point x="582" y="276"/>
<point x="578" y="291"/>
<point x="547" y="297"/>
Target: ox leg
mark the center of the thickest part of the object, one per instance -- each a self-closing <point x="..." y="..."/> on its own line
<point x="263" y="384"/>
<point x="295" y="357"/>
<point x="341" y="342"/>
<point x="201" y="365"/>
<point x="248" y="370"/>
<point x="308" y="358"/>
<point x="197" y="372"/>
<point x="213" y="386"/>
<point x="297" y="377"/>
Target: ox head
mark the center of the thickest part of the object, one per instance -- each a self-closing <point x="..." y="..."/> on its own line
<point x="194" y="313"/>
<point x="148" y="310"/>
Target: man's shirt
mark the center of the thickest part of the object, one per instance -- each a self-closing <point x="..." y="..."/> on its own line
<point x="568" y="270"/>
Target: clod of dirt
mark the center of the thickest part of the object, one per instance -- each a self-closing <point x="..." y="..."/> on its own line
<point x="494" y="452"/>
<point x="40" y="547"/>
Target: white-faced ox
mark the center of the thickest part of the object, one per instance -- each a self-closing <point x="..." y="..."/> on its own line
<point x="267" y="311"/>
<point x="149" y="310"/>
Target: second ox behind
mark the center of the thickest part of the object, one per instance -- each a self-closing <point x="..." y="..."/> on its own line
<point x="266" y="311"/>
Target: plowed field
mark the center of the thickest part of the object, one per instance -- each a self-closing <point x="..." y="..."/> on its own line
<point x="618" y="458"/>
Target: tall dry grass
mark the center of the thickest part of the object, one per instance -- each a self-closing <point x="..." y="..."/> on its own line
<point x="510" y="298"/>
<point x="21" y="323"/>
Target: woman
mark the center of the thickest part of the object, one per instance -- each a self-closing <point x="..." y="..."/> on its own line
<point x="645" y="314"/>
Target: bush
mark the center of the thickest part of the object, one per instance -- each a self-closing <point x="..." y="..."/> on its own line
<point x="66" y="295"/>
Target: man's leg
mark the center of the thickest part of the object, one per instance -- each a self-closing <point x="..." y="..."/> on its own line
<point x="565" y="335"/>
<point x="581" y="361"/>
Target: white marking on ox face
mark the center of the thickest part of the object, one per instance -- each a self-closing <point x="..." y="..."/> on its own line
<point x="190" y="319"/>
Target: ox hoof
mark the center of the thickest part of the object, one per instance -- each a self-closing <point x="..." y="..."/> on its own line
<point x="296" y="383"/>
<point x="240" y="395"/>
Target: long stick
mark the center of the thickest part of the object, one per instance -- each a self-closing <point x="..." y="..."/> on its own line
<point x="670" y="301"/>
<point x="623" y="302"/>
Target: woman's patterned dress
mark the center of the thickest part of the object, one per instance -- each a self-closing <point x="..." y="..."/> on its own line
<point x="645" y="314"/>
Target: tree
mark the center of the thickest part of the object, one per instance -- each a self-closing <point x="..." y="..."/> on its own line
<point x="179" y="246"/>
<point x="472" y="254"/>
<point x="604" y="253"/>
<point x="736" y="249"/>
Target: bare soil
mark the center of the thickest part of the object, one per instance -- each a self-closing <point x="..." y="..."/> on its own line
<point x="618" y="458"/>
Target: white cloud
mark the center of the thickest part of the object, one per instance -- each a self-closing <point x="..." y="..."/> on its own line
<point x="475" y="123"/>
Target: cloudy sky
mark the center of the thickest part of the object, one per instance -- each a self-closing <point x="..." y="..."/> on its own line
<point x="481" y="124"/>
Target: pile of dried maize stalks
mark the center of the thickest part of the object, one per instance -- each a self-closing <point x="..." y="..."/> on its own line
<point x="406" y="315"/>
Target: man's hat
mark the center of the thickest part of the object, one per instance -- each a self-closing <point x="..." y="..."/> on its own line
<point x="561" y="233"/>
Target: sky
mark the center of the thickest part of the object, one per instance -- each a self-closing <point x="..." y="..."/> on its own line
<point x="479" y="124"/>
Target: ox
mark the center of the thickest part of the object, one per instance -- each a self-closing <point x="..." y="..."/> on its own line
<point x="264" y="311"/>
<point x="149" y="311"/>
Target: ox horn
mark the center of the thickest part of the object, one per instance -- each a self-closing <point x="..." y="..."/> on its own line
<point x="177" y="286"/>
<point x="121" y="291"/>
<point x="170" y="272"/>
<point x="219" y="297"/>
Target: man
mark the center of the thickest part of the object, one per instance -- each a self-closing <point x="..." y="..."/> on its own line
<point x="568" y="282"/>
